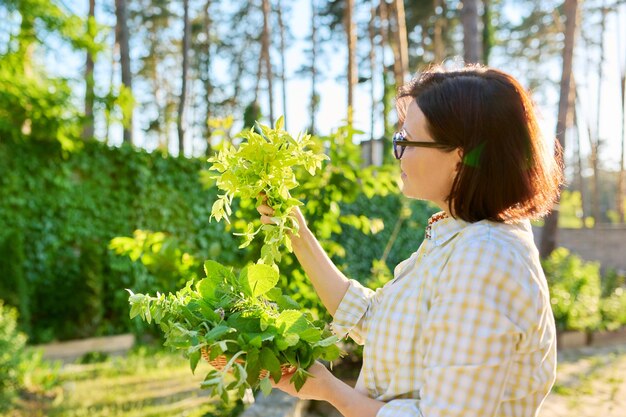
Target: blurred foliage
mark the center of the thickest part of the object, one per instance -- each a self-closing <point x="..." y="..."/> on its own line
<point x="58" y="213"/>
<point x="580" y="299"/>
<point x="12" y="343"/>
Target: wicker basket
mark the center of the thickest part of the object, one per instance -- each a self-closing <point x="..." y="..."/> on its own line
<point x="220" y="362"/>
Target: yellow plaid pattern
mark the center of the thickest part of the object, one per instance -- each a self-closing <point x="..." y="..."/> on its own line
<point x="465" y="327"/>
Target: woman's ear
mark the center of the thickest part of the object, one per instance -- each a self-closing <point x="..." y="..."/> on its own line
<point x="459" y="154"/>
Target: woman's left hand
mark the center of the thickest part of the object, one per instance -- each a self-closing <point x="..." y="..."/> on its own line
<point x="317" y="387"/>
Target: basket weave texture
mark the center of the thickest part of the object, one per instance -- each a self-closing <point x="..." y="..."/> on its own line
<point x="220" y="362"/>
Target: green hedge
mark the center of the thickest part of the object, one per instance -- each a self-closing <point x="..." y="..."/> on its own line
<point x="58" y="213"/>
<point x="11" y="355"/>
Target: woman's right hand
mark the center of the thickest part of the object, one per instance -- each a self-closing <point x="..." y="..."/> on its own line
<point x="267" y="213"/>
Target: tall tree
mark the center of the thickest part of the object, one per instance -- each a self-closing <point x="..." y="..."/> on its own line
<point x="314" y="103"/>
<point x="183" y="91"/>
<point x="620" y="195"/>
<point x="595" y="141"/>
<point x="205" y="73"/>
<point x="548" y="235"/>
<point x="371" y="30"/>
<point x="265" y="52"/>
<point x="438" y="28"/>
<point x="88" y="128"/>
<point x="400" y="42"/>
<point x="350" y="27"/>
<point x="283" y="79"/>
<point x="471" y="35"/>
<point x="488" y="38"/>
<point x="123" y="39"/>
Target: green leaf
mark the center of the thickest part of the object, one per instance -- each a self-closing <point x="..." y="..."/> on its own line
<point x="253" y="366"/>
<point x="266" y="386"/>
<point x="311" y="335"/>
<point x="217" y="332"/>
<point x="193" y="360"/>
<point x="329" y="341"/>
<point x="258" y="279"/>
<point x="299" y="378"/>
<point x="291" y="321"/>
<point x="216" y="271"/>
<point x="285" y="302"/>
<point x="270" y="362"/>
<point x="274" y="294"/>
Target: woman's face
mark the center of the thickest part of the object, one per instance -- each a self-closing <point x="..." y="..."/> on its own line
<point x="427" y="173"/>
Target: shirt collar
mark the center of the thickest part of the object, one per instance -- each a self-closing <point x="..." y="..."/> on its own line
<point x="442" y="228"/>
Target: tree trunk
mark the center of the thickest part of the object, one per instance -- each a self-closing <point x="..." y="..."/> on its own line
<point x="283" y="81"/>
<point x="401" y="36"/>
<point x="488" y="32"/>
<point x="352" y="68"/>
<point x="122" y="35"/>
<point x="439" y="47"/>
<point x="620" y="174"/>
<point x="620" y="178"/>
<point x="314" y="95"/>
<point x="595" y="147"/>
<point x="383" y="11"/>
<point x="548" y="235"/>
<point x="180" y="119"/>
<point x="372" y="58"/>
<point x="266" y="54"/>
<point x="88" y="129"/>
<point x="398" y="40"/>
<point x="579" y="160"/>
<point x="471" y="35"/>
<point x="206" y="76"/>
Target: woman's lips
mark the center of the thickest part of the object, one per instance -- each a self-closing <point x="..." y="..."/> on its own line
<point x="403" y="175"/>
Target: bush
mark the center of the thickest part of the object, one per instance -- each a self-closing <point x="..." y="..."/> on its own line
<point x="574" y="291"/>
<point x="580" y="298"/>
<point x="11" y="347"/>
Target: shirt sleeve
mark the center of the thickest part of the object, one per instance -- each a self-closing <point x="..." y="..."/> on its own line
<point x="352" y="315"/>
<point x="470" y="335"/>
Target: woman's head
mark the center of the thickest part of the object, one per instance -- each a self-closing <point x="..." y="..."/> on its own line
<point x="493" y="163"/>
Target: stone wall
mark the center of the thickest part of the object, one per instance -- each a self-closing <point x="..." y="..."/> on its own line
<point x="605" y="244"/>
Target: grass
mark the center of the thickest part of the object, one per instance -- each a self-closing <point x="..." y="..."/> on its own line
<point x="146" y="383"/>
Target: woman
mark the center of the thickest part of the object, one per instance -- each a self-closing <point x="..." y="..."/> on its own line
<point x="465" y="327"/>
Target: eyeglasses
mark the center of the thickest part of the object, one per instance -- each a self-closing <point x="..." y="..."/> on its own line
<point x="400" y="143"/>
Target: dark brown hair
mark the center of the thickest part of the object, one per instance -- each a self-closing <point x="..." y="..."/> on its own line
<point x="508" y="172"/>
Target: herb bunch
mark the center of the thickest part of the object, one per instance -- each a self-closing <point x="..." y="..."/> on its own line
<point x="242" y="317"/>
<point x="245" y="317"/>
<point x="263" y="167"/>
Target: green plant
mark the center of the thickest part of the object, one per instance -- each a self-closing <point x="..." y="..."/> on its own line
<point x="11" y="354"/>
<point x="241" y="317"/>
<point x="574" y="290"/>
<point x="247" y="316"/>
<point x="263" y="167"/>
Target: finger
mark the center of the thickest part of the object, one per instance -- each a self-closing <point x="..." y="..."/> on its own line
<point x="267" y="220"/>
<point x="265" y="210"/>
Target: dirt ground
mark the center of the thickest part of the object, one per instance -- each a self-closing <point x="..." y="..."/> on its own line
<point x="591" y="382"/>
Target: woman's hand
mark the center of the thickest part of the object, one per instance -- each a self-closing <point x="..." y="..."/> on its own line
<point x="317" y="387"/>
<point x="267" y="213"/>
<point x="324" y="386"/>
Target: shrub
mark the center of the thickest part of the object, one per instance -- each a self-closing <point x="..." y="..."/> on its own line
<point x="574" y="291"/>
<point x="11" y="347"/>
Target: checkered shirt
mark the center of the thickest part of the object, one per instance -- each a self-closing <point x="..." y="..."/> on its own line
<point x="464" y="329"/>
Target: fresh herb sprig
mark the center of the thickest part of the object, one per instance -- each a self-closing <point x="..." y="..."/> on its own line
<point x="242" y="317"/>
<point x="263" y="165"/>
<point x="245" y="317"/>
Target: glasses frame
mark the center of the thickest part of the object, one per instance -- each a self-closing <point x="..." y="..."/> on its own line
<point x="400" y="144"/>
